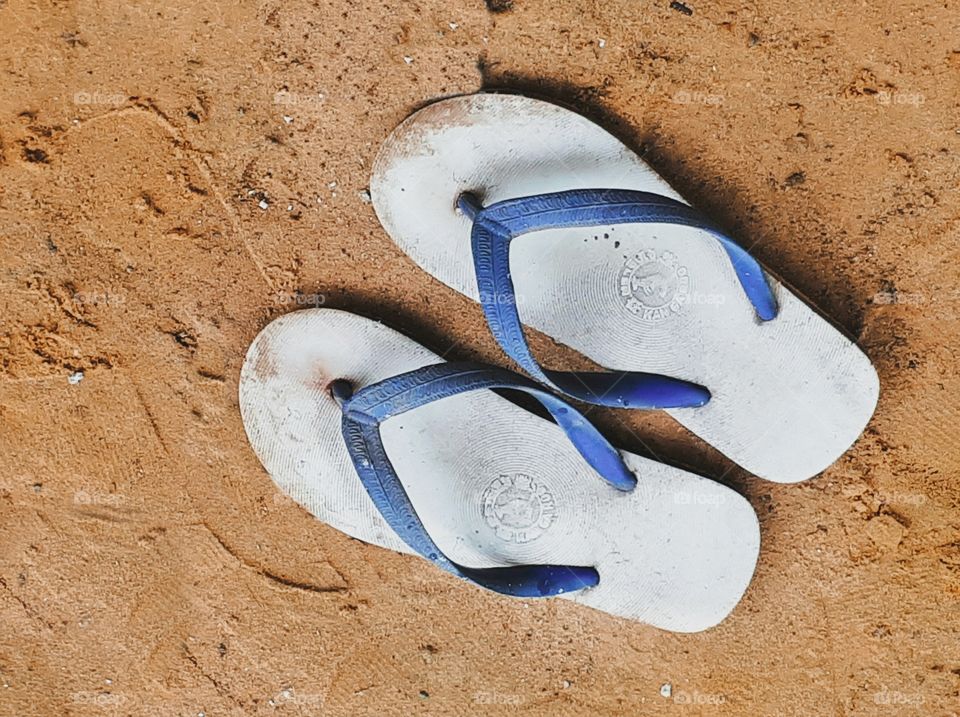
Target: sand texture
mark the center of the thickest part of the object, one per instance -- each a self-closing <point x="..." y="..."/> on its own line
<point x="175" y="175"/>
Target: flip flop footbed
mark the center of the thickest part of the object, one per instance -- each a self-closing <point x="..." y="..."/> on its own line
<point x="789" y="396"/>
<point x="493" y="484"/>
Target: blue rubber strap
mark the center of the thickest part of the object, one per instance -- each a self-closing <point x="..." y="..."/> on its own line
<point x="398" y="394"/>
<point x="494" y="227"/>
<point x="362" y="415"/>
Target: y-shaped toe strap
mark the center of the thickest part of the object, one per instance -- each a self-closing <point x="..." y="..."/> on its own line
<point x="495" y="226"/>
<point x="365" y="410"/>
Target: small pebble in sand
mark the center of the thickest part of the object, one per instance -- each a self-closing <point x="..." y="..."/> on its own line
<point x="289" y="207"/>
<point x="407" y="59"/>
<point x="75" y="378"/>
<point x="263" y="204"/>
<point x="287" y="119"/>
<point x="666" y="689"/>
<point x="364" y="196"/>
<point x="602" y="43"/>
<point x="566" y="684"/>
<point x="453" y="25"/>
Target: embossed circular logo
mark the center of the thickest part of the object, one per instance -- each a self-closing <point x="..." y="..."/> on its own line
<point x="653" y="285"/>
<point x="518" y="508"/>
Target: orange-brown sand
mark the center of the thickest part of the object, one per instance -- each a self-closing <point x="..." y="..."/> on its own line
<point x="174" y="175"/>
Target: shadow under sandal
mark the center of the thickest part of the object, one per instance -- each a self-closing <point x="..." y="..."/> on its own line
<point x="551" y="222"/>
<point x="379" y="438"/>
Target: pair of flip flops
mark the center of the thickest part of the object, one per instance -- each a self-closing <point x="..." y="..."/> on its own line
<point x="550" y="222"/>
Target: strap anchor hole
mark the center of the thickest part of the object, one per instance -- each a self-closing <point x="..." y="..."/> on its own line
<point x="468" y="204"/>
<point x="341" y="390"/>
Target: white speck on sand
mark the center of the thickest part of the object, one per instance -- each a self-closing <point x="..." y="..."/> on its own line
<point x="287" y="119"/>
<point x="364" y="196"/>
<point x="602" y="43"/>
<point x="407" y="59"/>
<point x="453" y="25"/>
<point x="666" y="689"/>
<point x="75" y="378"/>
<point x="263" y="204"/>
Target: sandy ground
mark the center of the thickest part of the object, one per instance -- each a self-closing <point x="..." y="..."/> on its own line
<point x="173" y="176"/>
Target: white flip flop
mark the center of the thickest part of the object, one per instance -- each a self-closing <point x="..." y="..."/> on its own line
<point x="547" y="219"/>
<point x="468" y="478"/>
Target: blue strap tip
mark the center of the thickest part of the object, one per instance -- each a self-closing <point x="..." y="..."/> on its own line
<point x="625" y="482"/>
<point x="659" y="392"/>
<point x="767" y="308"/>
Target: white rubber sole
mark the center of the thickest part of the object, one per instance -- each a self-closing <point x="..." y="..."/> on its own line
<point x="493" y="484"/>
<point x="788" y="396"/>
